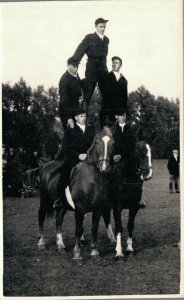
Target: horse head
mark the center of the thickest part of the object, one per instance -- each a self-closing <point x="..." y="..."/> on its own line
<point x="102" y="149"/>
<point x="143" y="154"/>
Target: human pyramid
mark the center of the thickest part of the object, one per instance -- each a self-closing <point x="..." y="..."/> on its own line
<point x="75" y="95"/>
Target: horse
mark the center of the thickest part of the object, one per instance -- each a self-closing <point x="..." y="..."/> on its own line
<point x="127" y="193"/>
<point x="87" y="192"/>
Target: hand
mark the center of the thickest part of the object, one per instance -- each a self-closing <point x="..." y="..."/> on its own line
<point x="82" y="156"/>
<point x="70" y="123"/>
<point x="117" y="158"/>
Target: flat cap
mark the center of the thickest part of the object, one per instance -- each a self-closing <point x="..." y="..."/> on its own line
<point x="72" y="61"/>
<point x="117" y="57"/>
<point x="100" y="20"/>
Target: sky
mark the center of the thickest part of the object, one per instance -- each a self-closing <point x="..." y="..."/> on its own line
<point x="39" y="37"/>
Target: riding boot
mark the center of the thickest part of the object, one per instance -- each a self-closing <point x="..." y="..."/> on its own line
<point x="171" y="188"/>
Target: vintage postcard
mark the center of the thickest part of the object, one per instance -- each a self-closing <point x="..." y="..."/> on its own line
<point x="92" y="149"/>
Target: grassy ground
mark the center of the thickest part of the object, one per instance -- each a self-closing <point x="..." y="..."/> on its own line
<point x="155" y="268"/>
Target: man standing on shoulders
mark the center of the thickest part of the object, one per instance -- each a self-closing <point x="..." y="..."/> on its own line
<point x="173" y="167"/>
<point x="117" y="92"/>
<point x="95" y="46"/>
<point x="71" y="93"/>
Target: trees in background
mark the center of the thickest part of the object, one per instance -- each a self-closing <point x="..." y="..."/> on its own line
<point x="30" y="118"/>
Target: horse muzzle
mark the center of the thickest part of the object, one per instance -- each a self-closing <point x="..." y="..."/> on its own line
<point x="104" y="166"/>
<point x="148" y="176"/>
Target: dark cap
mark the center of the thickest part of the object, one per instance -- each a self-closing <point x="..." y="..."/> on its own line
<point x="72" y="61"/>
<point x="79" y="111"/>
<point x="120" y="111"/>
<point x="100" y="20"/>
<point x="116" y="57"/>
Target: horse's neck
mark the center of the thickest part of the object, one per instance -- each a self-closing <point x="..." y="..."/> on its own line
<point x="91" y="158"/>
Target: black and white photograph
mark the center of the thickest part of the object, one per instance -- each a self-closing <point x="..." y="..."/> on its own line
<point x="92" y="149"/>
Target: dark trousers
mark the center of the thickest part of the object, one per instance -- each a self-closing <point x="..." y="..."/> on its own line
<point x="173" y="181"/>
<point x="96" y="71"/>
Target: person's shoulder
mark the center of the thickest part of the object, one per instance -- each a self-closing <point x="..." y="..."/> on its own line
<point x="89" y="36"/>
<point x="106" y="38"/>
<point x="123" y="78"/>
<point x="64" y="76"/>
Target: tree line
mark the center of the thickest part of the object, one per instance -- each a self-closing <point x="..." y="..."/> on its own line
<point x="31" y="121"/>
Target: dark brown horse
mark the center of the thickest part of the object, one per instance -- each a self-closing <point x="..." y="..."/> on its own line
<point x="127" y="192"/>
<point x="88" y="192"/>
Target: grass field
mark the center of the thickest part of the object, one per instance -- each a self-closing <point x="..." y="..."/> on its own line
<point x="154" y="269"/>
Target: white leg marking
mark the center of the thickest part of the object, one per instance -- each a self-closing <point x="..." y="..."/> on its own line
<point x="105" y="139"/>
<point x="94" y="252"/>
<point x="149" y="160"/>
<point x="41" y="242"/>
<point x="129" y="245"/>
<point x="82" y="237"/>
<point x="118" y="245"/>
<point x="69" y="197"/>
<point x="110" y="234"/>
<point x="59" y="240"/>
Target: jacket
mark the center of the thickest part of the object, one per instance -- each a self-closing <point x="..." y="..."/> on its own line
<point x="117" y="93"/>
<point x="70" y="90"/>
<point x="173" y="166"/>
<point x="76" y="142"/>
<point x="93" y="46"/>
<point x="125" y="145"/>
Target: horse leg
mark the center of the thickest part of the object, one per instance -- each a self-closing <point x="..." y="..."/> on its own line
<point x="107" y="221"/>
<point x="118" y="230"/>
<point x="94" y="230"/>
<point x="79" y="217"/>
<point x="60" y="213"/>
<point x="41" y="219"/>
<point x="130" y="227"/>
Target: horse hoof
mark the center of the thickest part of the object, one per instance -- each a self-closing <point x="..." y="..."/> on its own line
<point x="119" y="258"/>
<point x="130" y="254"/>
<point x="61" y="249"/>
<point x="77" y="258"/>
<point x="41" y="247"/>
<point x="94" y="253"/>
<point x="78" y="261"/>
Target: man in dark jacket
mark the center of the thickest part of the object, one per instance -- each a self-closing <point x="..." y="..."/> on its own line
<point x="71" y="93"/>
<point x="76" y="142"/>
<point x="173" y="167"/>
<point x="95" y="46"/>
<point x="117" y="92"/>
<point x="125" y="145"/>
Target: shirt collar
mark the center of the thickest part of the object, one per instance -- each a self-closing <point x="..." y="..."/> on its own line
<point x="101" y="36"/>
<point x="73" y="74"/>
<point x="122" y="125"/>
<point x="117" y="75"/>
<point x="82" y="127"/>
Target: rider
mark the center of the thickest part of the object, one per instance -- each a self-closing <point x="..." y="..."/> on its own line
<point x="125" y="144"/>
<point x="76" y="142"/>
